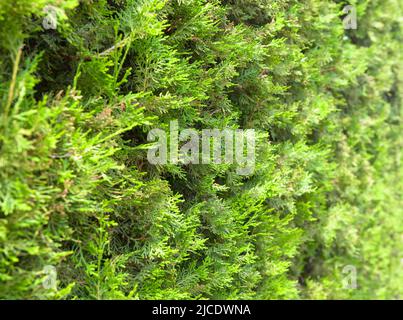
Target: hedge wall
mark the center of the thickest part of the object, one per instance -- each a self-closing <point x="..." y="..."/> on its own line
<point x="77" y="192"/>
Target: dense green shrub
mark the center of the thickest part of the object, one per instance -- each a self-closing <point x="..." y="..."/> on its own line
<point x="77" y="191"/>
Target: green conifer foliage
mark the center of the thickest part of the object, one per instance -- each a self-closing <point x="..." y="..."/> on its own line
<point x="77" y="192"/>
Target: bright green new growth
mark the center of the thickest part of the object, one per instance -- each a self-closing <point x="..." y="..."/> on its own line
<point x="77" y="191"/>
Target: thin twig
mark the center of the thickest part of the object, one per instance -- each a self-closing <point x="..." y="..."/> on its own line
<point x="13" y="81"/>
<point x="120" y="44"/>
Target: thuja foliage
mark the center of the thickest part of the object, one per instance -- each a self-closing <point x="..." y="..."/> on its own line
<point x="77" y="191"/>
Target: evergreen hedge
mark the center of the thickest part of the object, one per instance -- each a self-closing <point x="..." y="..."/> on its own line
<point x="77" y="191"/>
